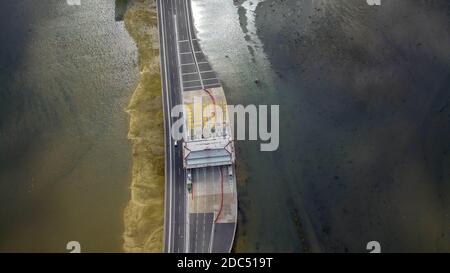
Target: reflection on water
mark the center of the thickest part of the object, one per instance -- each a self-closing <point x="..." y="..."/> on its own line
<point x="363" y="93"/>
<point x="66" y="75"/>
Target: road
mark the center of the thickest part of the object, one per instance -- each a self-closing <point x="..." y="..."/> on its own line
<point x="175" y="189"/>
<point x="184" y="68"/>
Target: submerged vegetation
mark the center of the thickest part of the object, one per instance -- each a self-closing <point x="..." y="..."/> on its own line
<point x="144" y="214"/>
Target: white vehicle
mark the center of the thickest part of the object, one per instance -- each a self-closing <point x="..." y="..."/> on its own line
<point x="189" y="181"/>
<point x="175" y="143"/>
<point x="230" y="171"/>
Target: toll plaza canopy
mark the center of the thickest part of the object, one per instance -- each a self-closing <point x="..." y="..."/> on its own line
<point x="208" y="152"/>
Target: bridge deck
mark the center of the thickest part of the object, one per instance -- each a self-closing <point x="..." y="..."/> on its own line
<point x="205" y="224"/>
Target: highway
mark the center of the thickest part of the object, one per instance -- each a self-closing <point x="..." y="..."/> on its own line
<point x="184" y="68"/>
<point x="175" y="187"/>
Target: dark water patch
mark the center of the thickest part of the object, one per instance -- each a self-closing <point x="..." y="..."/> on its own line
<point x="363" y="151"/>
<point x="17" y="19"/>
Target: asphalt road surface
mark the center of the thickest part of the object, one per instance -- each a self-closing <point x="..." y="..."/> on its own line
<point x="184" y="68"/>
<point x="175" y="200"/>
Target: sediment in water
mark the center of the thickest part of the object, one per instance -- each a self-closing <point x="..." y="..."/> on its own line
<point x="144" y="214"/>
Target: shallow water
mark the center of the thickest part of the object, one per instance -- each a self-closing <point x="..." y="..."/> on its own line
<point x="66" y="75"/>
<point x="364" y="102"/>
<point x="364" y="95"/>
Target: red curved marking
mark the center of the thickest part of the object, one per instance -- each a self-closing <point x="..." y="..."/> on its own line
<point x="221" y="200"/>
<point x="213" y="100"/>
<point x="210" y="95"/>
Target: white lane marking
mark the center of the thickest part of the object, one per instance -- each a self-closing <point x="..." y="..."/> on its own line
<point x="210" y="79"/>
<point x="187" y="230"/>
<point x="186" y="222"/>
<point x="192" y="73"/>
<point x="179" y="213"/>
<point x="196" y="213"/>
<point x="185" y="41"/>
<point x="208" y="71"/>
<point x="196" y="87"/>
<point x="190" y="87"/>
<point x="190" y="52"/>
<point x="205" y="181"/>
<point x="211" y="237"/>
<point x="188" y="19"/>
<point x="191" y="81"/>
<point x="163" y="40"/>
<point x="178" y="54"/>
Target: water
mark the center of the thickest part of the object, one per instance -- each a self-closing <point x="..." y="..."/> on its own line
<point x="363" y="93"/>
<point x="364" y="98"/>
<point x="66" y="75"/>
